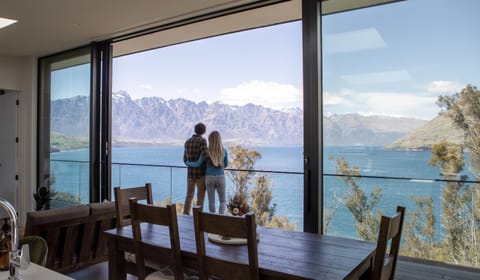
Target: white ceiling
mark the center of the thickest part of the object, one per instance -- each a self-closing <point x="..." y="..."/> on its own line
<point x="49" y="26"/>
<point x="263" y="16"/>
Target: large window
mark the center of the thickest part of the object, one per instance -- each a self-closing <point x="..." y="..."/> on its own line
<point x="386" y="69"/>
<point x="245" y="84"/>
<point x="64" y="126"/>
<point x="399" y="115"/>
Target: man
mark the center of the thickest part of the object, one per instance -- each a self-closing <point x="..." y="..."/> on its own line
<point x="194" y="147"/>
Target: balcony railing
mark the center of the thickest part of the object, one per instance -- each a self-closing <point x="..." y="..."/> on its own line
<point x="169" y="182"/>
<point x="70" y="180"/>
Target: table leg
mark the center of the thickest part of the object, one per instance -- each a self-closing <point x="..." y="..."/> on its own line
<point x="116" y="265"/>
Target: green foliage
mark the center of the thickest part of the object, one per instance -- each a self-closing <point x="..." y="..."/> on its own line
<point x="458" y="207"/>
<point x="280" y="222"/>
<point x="460" y="201"/>
<point x="243" y="160"/>
<point x="328" y="215"/>
<point x="460" y="217"/>
<point x="419" y="231"/>
<point x="358" y="203"/>
<point x="64" y="196"/>
<point x="168" y="200"/>
<point x="463" y="108"/>
<point x="261" y="199"/>
<point x="448" y="157"/>
<point x="59" y="142"/>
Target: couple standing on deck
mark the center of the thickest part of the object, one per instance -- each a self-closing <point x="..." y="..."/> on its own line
<point x="205" y="169"/>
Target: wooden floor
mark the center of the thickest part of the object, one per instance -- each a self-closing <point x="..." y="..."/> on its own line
<point x="406" y="270"/>
<point x="411" y="269"/>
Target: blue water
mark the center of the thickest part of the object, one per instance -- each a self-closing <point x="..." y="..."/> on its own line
<point x="287" y="188"/>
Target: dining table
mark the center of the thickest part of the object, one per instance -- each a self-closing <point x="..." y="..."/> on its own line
<point x="282" y="254"/>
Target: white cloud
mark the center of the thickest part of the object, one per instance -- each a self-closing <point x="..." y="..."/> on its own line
<point x="444" y="87"/>
<point x="145" y="86"/>
<point x="268" y="94"/>
<point x="351" y="41"/>
<point x="341" y="98"/>
<point x="414" y="105"/>
<point x="378" y="77"/>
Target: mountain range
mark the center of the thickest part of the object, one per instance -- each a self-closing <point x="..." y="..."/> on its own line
<point x="154" y="120"/>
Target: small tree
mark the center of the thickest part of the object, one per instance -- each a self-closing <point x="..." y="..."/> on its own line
<point x="462" y="203"/>
<point x="419" y="231"/>
<point x="458" y="200"/>
<point x="463" y="108"/>
<point x="261" y="199"/>
<point x="243" y="160"/>
<point x="358" y="203"/>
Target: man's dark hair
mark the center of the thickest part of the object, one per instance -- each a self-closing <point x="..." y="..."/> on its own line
<point x="200" y="128"/>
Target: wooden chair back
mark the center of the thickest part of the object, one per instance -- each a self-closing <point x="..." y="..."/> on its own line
<point x="122" y="205"/>
<point x="164" y="216"/>
<point x="390" y="231"/>
<point x="232" y="226"/>
<point x="38" y="248"/>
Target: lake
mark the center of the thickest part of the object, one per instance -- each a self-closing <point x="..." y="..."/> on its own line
<point x="412" y="177"/>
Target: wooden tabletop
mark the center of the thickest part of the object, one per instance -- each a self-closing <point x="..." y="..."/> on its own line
<point x="281" y="254"/>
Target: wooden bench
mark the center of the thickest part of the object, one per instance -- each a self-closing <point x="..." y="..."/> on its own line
<point x="73" y="234"/>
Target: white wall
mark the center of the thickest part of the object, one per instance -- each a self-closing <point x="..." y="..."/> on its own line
<point x="20" y="74"/>
<point x="8" y="147"/>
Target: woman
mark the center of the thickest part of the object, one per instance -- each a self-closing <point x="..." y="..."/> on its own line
<point x="217" y="160"/>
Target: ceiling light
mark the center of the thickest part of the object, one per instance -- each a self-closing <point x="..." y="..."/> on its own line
<point x="4" y="22"/>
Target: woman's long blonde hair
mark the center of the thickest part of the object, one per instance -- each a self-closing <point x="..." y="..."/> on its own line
<point x="215" y="148"/>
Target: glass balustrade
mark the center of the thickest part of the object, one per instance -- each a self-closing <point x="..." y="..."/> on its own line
<point x="352" y="203"/>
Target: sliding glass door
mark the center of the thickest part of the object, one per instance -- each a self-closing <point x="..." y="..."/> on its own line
<point x="64" y="127"/>
<point x="401" y="125"/>
<point x="244" y="81"/>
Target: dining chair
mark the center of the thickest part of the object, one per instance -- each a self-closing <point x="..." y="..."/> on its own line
<point x="231" y="226"/>
<point x="121" y="201"/>
<point x="390" y="231"/>
<point x="158" y="215"/>
<point x="37" y="246"/>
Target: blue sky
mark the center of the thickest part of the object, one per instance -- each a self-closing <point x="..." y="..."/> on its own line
<point x="220" y="68"/>
<point x="397" y="59"/>
<point x="387" y="60"/>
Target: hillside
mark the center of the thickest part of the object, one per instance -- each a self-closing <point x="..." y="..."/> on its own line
<point x="59" y="142"/>
<point x="435" y="131"/>
<point x="356" y="129"/>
